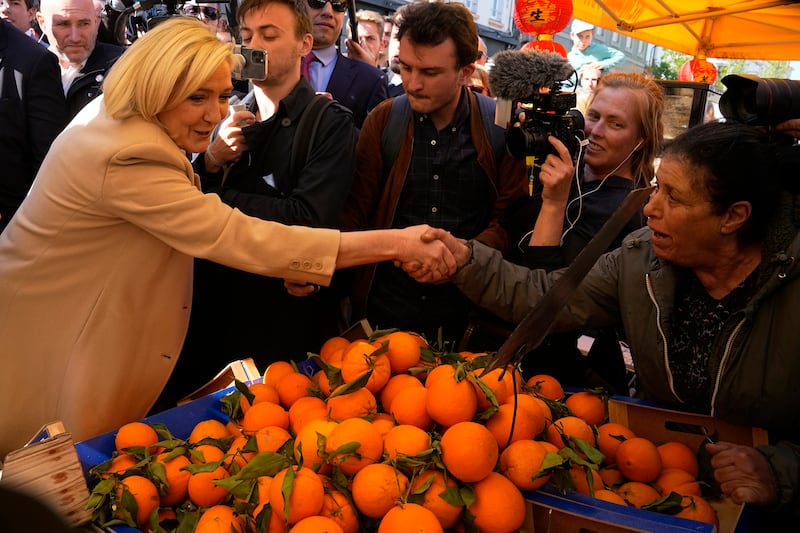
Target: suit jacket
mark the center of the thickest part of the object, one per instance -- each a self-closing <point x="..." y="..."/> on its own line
<point x="96" y="274"/>
<point x="357" y="86"/>
<point x="88" y="84"/>
<point x="32" y="113"/>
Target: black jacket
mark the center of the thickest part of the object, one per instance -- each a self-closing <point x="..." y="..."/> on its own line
<point x="88" y="84"/>
<point x="32" y="113"/>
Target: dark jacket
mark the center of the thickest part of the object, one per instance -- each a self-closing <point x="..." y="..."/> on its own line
<point x="88" y="84"/>
<point x="358" y="86"/>
<point x="374" y="197"/>
<point x="756" y="353"/>
<point x="32" y="113"/>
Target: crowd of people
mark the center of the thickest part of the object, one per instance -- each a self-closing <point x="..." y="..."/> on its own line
<point x="152" y="231"/>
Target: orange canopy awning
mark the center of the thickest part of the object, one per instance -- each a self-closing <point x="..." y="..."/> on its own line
<point x="729" y="29"/>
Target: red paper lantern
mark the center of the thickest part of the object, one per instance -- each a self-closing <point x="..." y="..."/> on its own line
<point x="536" y="17"/>
<point x="698" y="70"/>
<point x="545" y="45"/>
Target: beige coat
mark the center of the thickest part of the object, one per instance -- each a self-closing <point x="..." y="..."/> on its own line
<point x="96" y="275"/>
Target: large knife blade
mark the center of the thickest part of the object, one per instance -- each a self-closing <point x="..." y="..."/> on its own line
<point x="536" y="325"/>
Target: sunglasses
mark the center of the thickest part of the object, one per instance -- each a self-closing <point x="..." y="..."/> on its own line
<point x="211" y="13"/>
<point x="340" y="6"/>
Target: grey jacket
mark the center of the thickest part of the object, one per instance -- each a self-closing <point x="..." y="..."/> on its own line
<point x="757" y="356"/>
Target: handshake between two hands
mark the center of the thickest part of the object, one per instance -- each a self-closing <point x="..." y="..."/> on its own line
<point x="427" y="254"/>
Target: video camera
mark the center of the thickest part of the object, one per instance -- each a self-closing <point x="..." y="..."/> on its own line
<point x="759" y="101"/>
<point x="546" y="113"/>
<point x="531" y="82"/>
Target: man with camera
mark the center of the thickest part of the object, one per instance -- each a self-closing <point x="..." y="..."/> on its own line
<point x="446" y="169"/>
<point x="249" y="165"/>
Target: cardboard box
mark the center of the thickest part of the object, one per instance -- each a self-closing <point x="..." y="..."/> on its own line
<point x="577" y="513"/>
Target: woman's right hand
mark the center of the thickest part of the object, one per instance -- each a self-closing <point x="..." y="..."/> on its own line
<point x="556" y="173"/>
<point x="229" y="144"/>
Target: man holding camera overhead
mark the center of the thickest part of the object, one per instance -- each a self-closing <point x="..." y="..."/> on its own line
<point x="355" y="84"/>
<point x="248" y="165"/>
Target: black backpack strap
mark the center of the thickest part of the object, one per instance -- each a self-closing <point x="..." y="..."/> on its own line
<point x="394" y="131"/>
<point x="306" y="133"/>
<point x="496" y="134"/>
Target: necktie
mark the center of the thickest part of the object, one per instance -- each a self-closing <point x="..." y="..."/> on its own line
<point x="304" y="66"/>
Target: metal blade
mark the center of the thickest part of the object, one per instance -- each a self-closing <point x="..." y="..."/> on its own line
<point x="536" y="325"/>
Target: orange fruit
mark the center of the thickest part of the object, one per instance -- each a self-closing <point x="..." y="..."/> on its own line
<point x="320" y="378"/>
<point x="450" y="402"/>
<point x="271" y="438"/>
<point x="354" y="430"/>
<point x="293" y="387"/>
<point x="206" y="453"/>
<point x="307" y="443"/>
<point x="546" y="385"/>
<point x="264" y="392"/>
<point x="588" y="406"/>
<point x="500" y="382"/>
<point x="427" y="488"/>
<point x="177" y="479"/>
<point x="532" y="401"/>
<point x="637" y="494"/>
<point x="203" y="492"/>
<point x="383" y="422"/>
<point x="208" y="429"/>
<point x="522" y="460"/>
<point x="511" y="423"/>
<point x="119" y="464"/>
<point x="338" y="507"/>
<point x="408" y="517"/>
<point x="276" y="371"/>
<point x="300" y="409"/>
<point x="316" y="524"/>
<point x="263" y="483"/>
<point x="697" y="508"/>
<point x="469" y="451"/>
<point x="499" y="506"/>
<point x="410" y="406"/>
<point x="359" y="403"/>
<point x="305" y="497"/>
<point x="136" y="434"/>
<point x="609" y="436"/>
<point x="238" y="452"/>
<point x="405" y="439"/>
<point x="611" y="476"/>
<point x="145" y="494"/>
<point x="396" y="384"/>
<point x="678" y="455"/>
<point x="438" y="372"/>
<point x="265" y="414"/>
<point x="582" y="477"/>
<point x="357" y="360"/>
<point x="569" y="426"/>
<point x="677" y="480"/>
<point x="403" y="350"/>
<point x="377" y="488"/>
<point x="220" y="519"/>
<point x="331" y="346"/>
<point x="609" y="496"/>
<point x="638" y="460"/>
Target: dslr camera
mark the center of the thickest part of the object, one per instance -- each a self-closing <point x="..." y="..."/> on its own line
<point x="546" y="113"/>
<point x="759" y="101"/>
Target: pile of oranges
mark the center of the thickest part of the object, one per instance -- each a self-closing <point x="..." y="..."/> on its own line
<point x="388" y="436"/>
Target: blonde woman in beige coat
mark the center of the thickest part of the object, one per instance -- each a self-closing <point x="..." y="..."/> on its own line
<point x="96" y="267"/>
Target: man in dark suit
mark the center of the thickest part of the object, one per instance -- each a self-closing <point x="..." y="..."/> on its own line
<point x="71" y="27"/>
<point x="354" y="84"/>
<point x="32" y="113"/>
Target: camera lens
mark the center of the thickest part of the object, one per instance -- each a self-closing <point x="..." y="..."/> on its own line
<point x="761" y="101"/>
